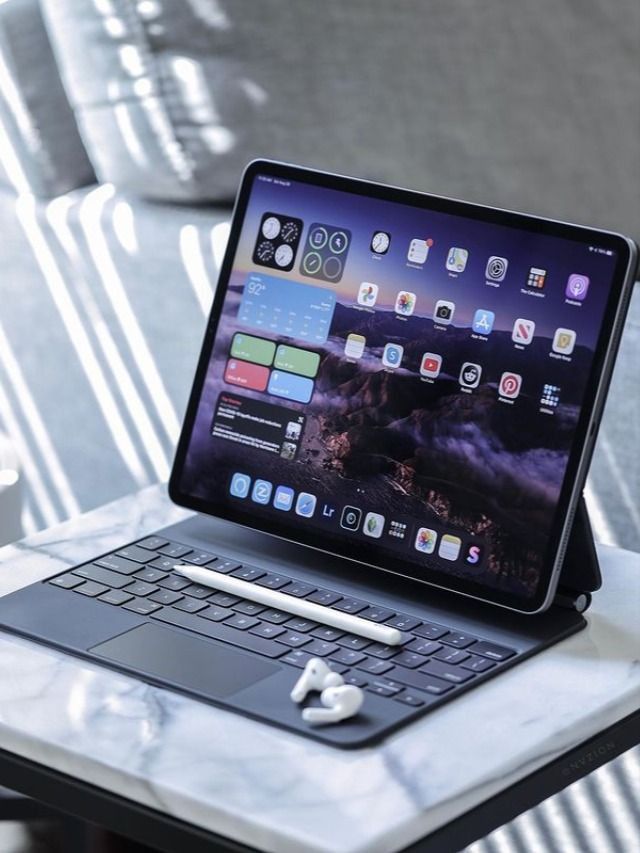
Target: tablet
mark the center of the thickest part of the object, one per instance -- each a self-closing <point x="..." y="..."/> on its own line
<point x="408" y="381"/>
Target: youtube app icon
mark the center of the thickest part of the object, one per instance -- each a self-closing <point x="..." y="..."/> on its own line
<point x="430" y="365"/>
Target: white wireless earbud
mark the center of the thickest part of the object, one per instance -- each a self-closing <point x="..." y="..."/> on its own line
<point x="316" y="676"/>
<point x="340" y="703"/>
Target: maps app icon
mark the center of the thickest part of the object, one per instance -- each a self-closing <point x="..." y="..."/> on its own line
<point x="577" y="287"/>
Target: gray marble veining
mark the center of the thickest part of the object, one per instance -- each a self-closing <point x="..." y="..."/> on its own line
<point x="280" y="792"/>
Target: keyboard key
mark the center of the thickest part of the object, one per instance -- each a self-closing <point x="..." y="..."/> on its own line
<point x="91" y="589"/>
<point x="118" y="564"/>
<point x="320" y="648"/>
<point x="142" y="606"/>
<point x="105" y="576"/>
<point x="477" y="664"/>
<point x="137" y="554"/>
<point x="451" y="656"/>
<point x="348" y="657"/>
<point x="423" y="647"/>
<point x="164" y="564"/>
<point x="241" y="622"/>
<point x="324" y="596"/>
<point x="199" y="558"/>
<point x="294" y="640"/>
<point x="174" y="550"/>
<point x="277" y="617"/>
<point x="224" y="599"/>
<point x="408" y="698"/>
<point x="382" y="689"/>
<point x="216" y="614"/>
<point x="225" y="566"/>
<point x="152" y="543"/>
<point x="247" y="573"/>
<point x="459" y="641"/>
<point x="403" y="622"/>
<point x="379" y="650"/>
<point x="174" y="582"/>
<point x="141" y="589"/>
<point x="190" y="605"/>
<point x="249" y="608"/>
<point x="353" y="678"/>
<point x="266" y="629"/>
<point x="115" y="596"/>
<point x="350" y="605"/>
<point x="273" y="581"/>
<point x="421" y="680"/>
<point x="296" y="658"/>
<point x="197" y="591"/>
<point x="454" y="674"/>
<point x="409" y="659"/>
<point x="429" y="631"/>
<point x="220" y="631"/>
<point x="299" y="589"/>
<point x="352" y="641"/>
<point x="492" y="651"/>
<point x="165" y="596"/>
<point x="66" y="581"/>
<point x="376" y="614"/>
<point x="328" y="634"/>
<point x="375" y="666"/>
<point x="151" y="575"/>
<point x="301" y="625"/>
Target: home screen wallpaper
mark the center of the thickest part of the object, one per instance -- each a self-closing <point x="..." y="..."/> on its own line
<point x="401" y="377"/>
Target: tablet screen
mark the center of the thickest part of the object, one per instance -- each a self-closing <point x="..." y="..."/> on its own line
<point x="399" y="379"/>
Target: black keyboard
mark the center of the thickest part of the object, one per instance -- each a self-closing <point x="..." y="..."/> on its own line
<point x="433" y="660"/>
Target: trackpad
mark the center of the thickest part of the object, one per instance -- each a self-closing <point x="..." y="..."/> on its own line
<point x="184" y="661"/>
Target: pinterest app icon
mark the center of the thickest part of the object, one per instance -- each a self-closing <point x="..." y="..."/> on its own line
<point x="577" y="287"/>
<point x="509" y="386"/>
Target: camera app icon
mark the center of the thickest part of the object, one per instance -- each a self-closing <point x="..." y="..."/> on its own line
<point x="443" y="312"/>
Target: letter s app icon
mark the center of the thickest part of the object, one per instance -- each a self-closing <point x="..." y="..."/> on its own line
<point x="474" y="555"/>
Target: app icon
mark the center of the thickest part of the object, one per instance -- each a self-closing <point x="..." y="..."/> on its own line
<point x="405" y="303"/>
<point x="277" y="241"/>
<point x="577" y="287"/>
<point x="496" y="268"/>
<point x="380" y="242"/>
<point x="426" y="540"/>
<point x="306" y="504"/>
<point x="373" y="525"/>
<point x="240" y="485"/>
<point x="328" y="511"/>
<point x="261" y="493"/>
<point x="457" y="259"/>
<point x="354" y="346"/>
<point x="449" y="547"/>
<point x="550" y="396"/>
<point x="523" y="331"/>
<point x="284" y="498"/>
<point x="564" y="341"/>
<point x="397" y="529"/>
<point x="443" y="312"/>
<point x="351" y="516"/>
<point x="419" y="250"/>
<point x="473" y="555"/>
<point x="537" y="278"/>
<point x="392" y="355"/>
<point x="483" y="321"/>
<point x="430" y="365"/>
<point x="510" y="384"/>
<point x="470" y="374"/>
<point x="368" y="294"/>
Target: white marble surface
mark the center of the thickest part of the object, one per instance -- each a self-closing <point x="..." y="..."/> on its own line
<point x="280" y="792"/>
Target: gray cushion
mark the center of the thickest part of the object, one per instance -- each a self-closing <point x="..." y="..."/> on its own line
<point x="42" y="151"/>
<point x="529" y="106"/>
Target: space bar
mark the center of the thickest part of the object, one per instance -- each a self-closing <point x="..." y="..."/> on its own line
<point x="267" y="648"/>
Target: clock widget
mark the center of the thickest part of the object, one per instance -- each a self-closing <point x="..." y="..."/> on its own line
<point x="277" y="241"/>
<point x="325" y="252"/>
<point x="380" y="242"/>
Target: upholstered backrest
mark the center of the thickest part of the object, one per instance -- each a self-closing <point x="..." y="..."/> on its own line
<point x="525" y="105"/>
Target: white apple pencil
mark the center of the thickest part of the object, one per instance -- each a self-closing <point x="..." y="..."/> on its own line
<point x="297" y="606"/>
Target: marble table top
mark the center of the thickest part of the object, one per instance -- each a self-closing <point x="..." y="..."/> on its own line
<point x="280" y="792"/>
